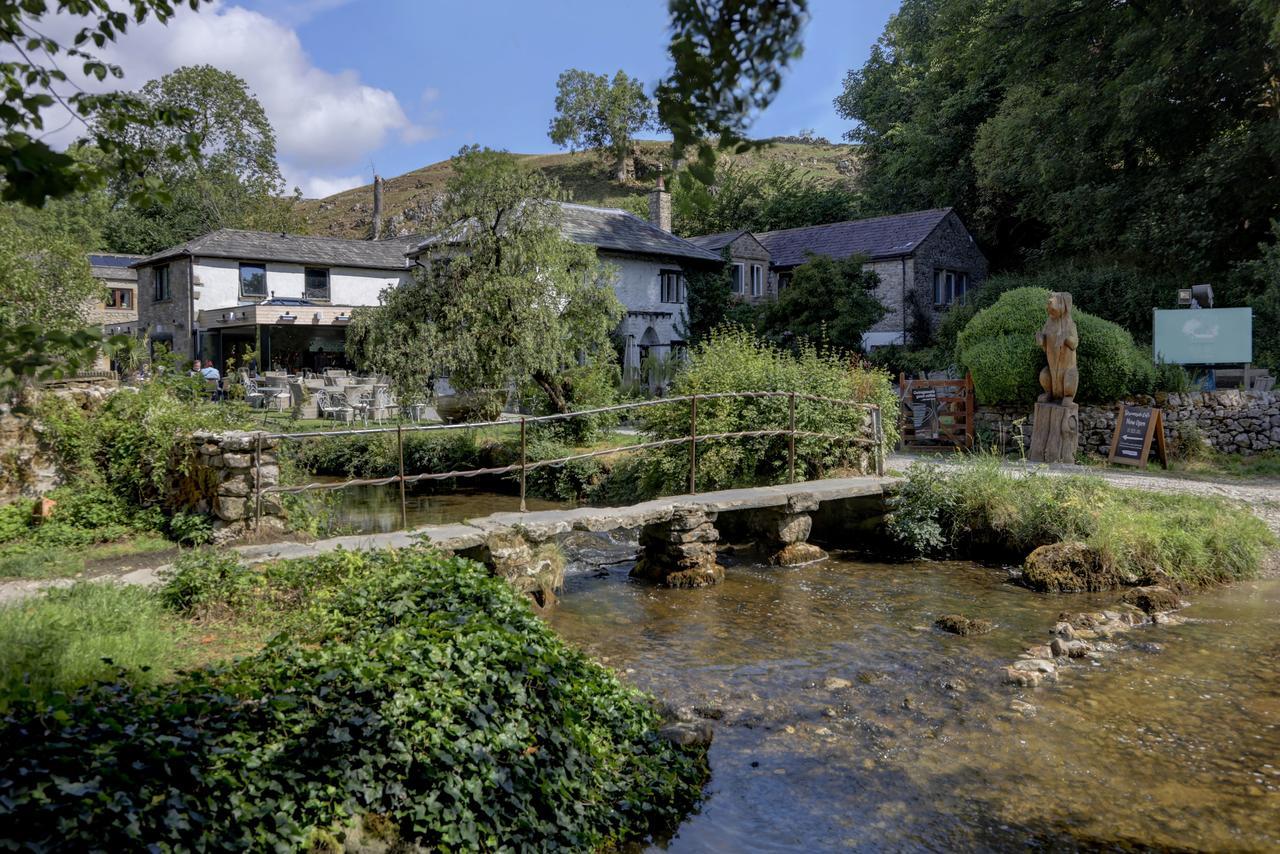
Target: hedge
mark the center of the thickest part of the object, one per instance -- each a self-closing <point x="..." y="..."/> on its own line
<point x="433" y="700"/>
<point x="998" y="346"/>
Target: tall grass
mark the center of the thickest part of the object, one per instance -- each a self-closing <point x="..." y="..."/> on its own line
<point x="980" y="510"/>
<point x="74" y="636"/>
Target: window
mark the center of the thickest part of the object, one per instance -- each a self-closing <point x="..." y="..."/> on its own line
<point x="757" y="280"/>
<point x="253" y="280"/>
<point x="949" y="286"/>
<point x="120" y="298"/>
<point x="672" y="285"/>
<point x="738" y="279"/>
<point x="316" y="284"/>
<point x="784" y="281"/>
<point x="160" y="277"/>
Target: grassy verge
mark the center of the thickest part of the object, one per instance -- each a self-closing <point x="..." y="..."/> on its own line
<point x="1136" y="536"/>
<point x="33" y="560"/>
<point x="399" y="688"/>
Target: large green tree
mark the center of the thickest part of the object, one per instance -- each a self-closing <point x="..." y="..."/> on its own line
<point x="232" y="179"/>
<point x="503" y="296"/>
<point x="594" y="112"/>
<point x="1147" y="131"/>
<point x="778" y="196"/>
<point x="828" y="302"/>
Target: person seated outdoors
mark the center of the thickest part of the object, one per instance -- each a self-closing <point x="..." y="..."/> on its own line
<point x="210" y="373"/>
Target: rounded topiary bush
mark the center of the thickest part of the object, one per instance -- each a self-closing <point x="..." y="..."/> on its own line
<point x="998" y="346"/>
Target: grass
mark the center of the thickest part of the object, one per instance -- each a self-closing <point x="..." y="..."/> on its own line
<point x="35" y="560"/>
<point x="74" y="636"/>
<point x="982" y="510"/>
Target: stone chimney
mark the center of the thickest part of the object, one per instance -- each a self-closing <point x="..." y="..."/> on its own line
<point x="660" y="206"/>
<point x="377" y="207"/>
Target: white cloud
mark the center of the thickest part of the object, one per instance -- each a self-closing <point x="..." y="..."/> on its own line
<point x="325" y="122"/>
<point x="318" y="186"/>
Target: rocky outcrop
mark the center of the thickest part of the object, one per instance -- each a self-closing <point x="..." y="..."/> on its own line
<point x="680" y="551"/>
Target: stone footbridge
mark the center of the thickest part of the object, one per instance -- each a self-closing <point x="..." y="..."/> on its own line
<point x="678" y="535"/>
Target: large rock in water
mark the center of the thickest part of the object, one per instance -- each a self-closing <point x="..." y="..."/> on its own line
<point x="961" y="625"/>
<point x="1070" y="567"/>
<point x="1153" y="600"/>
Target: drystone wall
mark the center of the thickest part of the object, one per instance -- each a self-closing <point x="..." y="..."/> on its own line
<point x="1232" y="421"/>
<point x="223" y="476"/>
<point x="27" y="469"/>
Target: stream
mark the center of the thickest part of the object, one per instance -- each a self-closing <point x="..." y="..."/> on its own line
<point x="844" y="720"/>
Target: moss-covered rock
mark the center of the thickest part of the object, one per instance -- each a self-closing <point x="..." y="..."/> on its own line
<point x="1153" y="600"/>
<point x="1069" y="567"/>
<point x="961" y="625"/>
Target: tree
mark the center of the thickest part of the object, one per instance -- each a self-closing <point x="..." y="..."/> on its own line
<point x="595" y="113"/>
<point x="727" y="62"/>
<point x="232" y="179"/>
<point x="829" y="302"/>
<point x="1148" y="132"/>
<point x="504" y="297"/>
<point x="34" y="82"/>
<point x="777" y="196"/>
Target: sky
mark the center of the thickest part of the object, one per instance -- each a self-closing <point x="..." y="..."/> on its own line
<point x="357" y="86"/>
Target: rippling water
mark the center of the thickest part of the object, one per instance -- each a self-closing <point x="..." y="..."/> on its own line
<point x="1173" y="741"/>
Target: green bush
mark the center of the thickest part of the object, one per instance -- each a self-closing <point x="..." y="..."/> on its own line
<point x="588" y="386"/>
<point x="432" y="697"/>
<point x="735" y="360"/>
<point x="980" y="510"/>
<point x="15" y="519"/>
<point x="998" y="346"/>
<point x="567" y="482"/>
<point x="69" y="638"/>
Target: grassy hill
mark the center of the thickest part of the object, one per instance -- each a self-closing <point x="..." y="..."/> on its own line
<point x="409" y="200"/>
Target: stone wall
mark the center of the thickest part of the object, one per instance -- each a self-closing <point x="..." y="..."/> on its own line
<point x="1232" y="421"/>
<point x="27" y="469"/>
<point x="221" y="477"/>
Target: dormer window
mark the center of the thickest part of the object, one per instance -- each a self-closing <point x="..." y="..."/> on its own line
<point x="253" y="280"/>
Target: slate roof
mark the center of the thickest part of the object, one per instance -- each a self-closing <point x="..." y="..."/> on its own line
<point x="718" y="241"/>
<point x="113" y="266"/>
<point x="614" y="230"/>
<point x="881" y="237"/>
<point x="291" y="248"/>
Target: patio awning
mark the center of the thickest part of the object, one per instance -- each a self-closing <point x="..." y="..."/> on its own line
<point x="274" y="313"/>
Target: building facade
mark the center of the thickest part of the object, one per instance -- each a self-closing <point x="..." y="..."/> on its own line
<point x="751" y="264"/>
<point x="281" y="301"/>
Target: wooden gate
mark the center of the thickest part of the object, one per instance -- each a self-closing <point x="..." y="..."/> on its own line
<point x="936" y="412"/>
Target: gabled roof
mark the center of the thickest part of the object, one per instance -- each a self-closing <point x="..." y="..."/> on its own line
<point x="291" y="248"/>
<point x="611" y="229"/>
<point x="718" y="241"/>
<point x="881" y="237"/>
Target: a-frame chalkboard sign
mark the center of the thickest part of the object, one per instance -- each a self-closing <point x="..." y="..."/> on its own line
<point x="1137" y="427"/>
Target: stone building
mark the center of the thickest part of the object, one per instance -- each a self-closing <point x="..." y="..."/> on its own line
<point x="287" y="297"/>
<point x="117" y="310"/>
<point x="750" y="260"/>
<point x="926" y="260"/>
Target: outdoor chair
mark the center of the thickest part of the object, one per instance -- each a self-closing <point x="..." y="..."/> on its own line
<point x="274" y="395"/>
<point x="333" y="406"/>
<point x="379" y="403"/>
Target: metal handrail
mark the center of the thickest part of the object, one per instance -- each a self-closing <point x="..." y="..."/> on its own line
<point x="875" y="441"/>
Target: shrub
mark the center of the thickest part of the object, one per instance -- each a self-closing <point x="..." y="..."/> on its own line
<point x="69" y="638"/>
<point x="567" y="482"/>
<point x="998" y="347"/>
<point x="15" y="519"/>
<point x="587" y="387"/>
<point x="432" y="697"/>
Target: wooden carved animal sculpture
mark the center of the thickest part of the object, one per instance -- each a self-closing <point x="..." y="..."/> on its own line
<point x="1059" y="338"/>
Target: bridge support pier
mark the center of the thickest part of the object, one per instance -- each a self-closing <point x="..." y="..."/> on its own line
<point x="782" y="533"/>
<point x="680" y="552"/>
<point x="534" y="570"/>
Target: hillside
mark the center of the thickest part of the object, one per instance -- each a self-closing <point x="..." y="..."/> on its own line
<point x="409" y="199"/>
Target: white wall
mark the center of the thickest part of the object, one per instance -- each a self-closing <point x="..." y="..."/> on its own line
<point x="218" y="283"/>
<point x="639" y="289"/>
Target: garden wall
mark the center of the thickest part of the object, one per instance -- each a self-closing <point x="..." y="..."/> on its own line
<point x="1232" y="421"/>
<point x="27" y="470"/>
<point x="223" y="474"/>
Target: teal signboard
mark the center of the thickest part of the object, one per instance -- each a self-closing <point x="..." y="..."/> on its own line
<point x="1204" y="336"/>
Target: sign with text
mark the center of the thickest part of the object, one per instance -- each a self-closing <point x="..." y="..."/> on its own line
<point x="1203" y="336"/>
<point x="1136" y="428"/>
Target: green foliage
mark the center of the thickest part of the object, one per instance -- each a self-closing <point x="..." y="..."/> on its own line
<point x="190" y="529"/>
<point x="710" y="299"/>
<point x="829" y="303"/>
<point x="567" y="482"/>
<point x="981" y="510"/>
<point x="507" y="298"/>
<point x="588" y="386"/>
<point x="15" y="519"/>
<point x="71" y="637"/>
<point x="1068" y="128"/>
<point x="596" y="113"/>
<point x="422" y="690"/>
<point x="1258" y="282"/>
<point x="780" y="195"/>
<point x="727" y="57"/>
<point x="998" y="347"/>
<point x="735" y="360"/>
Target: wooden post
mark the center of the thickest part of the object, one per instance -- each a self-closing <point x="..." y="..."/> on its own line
<point x="877" y="435"/>
<point x="693" y="445"/>
<point x="404" y="509"/>
<point x="257" y="483"/>
<point x="791" y="438"/>
<point x="523" y="463"/>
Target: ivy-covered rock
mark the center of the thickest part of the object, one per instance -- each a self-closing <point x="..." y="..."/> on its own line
<point x="432" y="698"/>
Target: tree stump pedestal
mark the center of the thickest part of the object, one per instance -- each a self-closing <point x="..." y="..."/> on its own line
<point x="1055" y="432"/>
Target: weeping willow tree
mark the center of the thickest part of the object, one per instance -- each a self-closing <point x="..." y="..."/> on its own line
<point x="501" y="298"/>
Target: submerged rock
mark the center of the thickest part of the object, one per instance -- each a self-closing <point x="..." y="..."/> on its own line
<point x="1153" y="600"/>
<point x="961" y="625"/>
<point x="688" y="733"/>
<point x="835" y="683"/>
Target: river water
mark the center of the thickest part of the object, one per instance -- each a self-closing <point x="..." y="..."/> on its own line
<point x="1172" y="741"/>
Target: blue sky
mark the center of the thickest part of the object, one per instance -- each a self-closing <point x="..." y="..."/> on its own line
<point x="354" y="85"/>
